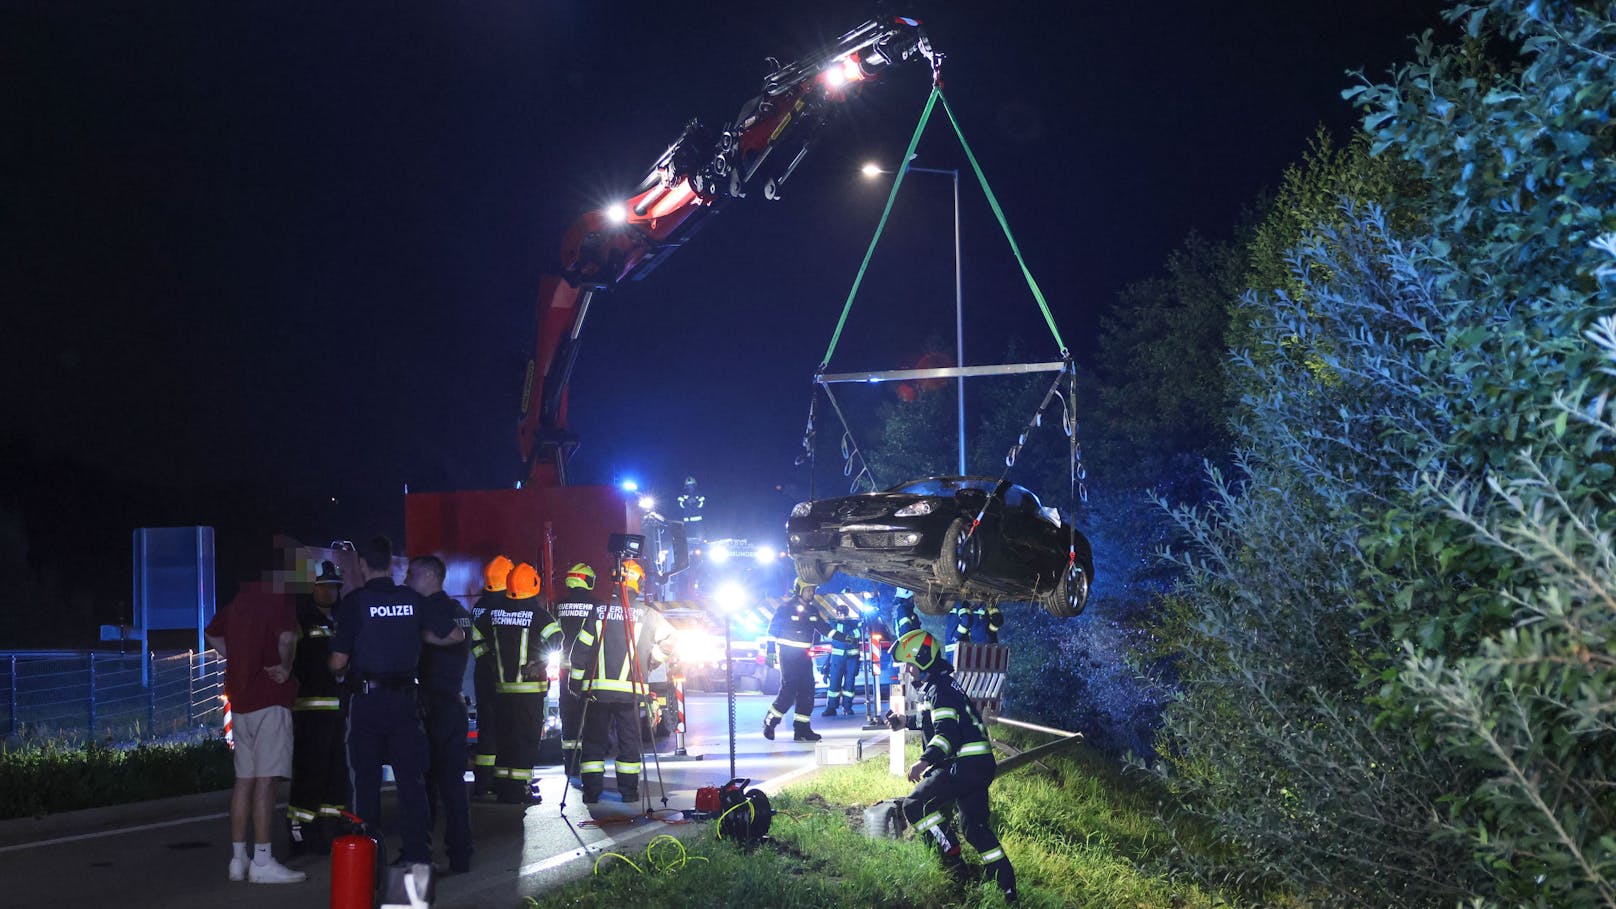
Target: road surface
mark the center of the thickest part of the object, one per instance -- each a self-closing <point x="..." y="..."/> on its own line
<point x="178" y="858"/>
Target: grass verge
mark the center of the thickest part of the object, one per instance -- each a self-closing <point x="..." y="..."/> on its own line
<point x="1078" y="834"/>
<point x="37" y="780"/>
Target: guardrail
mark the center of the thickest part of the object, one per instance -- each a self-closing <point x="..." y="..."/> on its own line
<point x="74" y="697"/>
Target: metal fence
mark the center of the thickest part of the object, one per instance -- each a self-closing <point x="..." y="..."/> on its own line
<point x="78" y="696"/>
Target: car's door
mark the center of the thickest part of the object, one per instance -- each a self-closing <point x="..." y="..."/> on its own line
<point x="1032" y="543"/>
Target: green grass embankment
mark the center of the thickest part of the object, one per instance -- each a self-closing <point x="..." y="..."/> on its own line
<point x="1078" y="834"/>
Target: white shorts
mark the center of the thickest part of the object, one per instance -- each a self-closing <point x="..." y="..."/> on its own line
<point x="263" y="743"/>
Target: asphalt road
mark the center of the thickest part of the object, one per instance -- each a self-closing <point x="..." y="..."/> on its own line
<point x="178" y="858"/>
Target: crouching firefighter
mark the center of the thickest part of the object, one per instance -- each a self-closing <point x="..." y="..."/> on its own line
<point x="519" y="633"/>
<point x="956" y="766"/>
<point x="797" y="624"/>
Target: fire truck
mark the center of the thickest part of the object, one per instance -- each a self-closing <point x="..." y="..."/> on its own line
<point x="543" y="519"/>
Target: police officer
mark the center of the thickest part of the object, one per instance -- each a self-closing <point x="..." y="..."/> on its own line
<point x="380" y="628"/>
<point x="443" y="673"/>
<point x="614" y="688"/>
<point x="956" y="765"/>
<point x="796" y="626"/>
<point x="572" y="614"/>
<point x="319" y="791"/>
<point x="841" y="667"/>
<point x="495" y="574"/>
<point x="520" y="634"/>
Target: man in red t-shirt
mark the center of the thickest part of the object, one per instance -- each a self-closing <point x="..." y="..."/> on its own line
<point x="257" y="635"/>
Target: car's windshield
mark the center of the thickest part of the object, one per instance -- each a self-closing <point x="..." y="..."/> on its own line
<point x="944" y="486"/>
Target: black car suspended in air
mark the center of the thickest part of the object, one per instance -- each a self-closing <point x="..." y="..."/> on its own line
<point x="918" y="535"/>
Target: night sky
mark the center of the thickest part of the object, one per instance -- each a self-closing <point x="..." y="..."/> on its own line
<point x="293" y="247"/>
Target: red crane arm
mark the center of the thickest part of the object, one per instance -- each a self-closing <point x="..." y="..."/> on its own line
<point x="698" y="173"/>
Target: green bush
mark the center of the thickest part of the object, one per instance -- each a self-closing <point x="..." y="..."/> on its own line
<point x="1397" y="685"/>
<point x="36" y="780"/>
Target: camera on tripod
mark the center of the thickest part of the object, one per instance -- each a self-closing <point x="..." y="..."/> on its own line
<point x="625" y="545"/>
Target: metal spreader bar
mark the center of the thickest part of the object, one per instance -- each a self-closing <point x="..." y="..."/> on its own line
<point x="942" y="372"/>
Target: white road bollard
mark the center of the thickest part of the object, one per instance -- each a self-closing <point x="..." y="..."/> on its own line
<point x="895" y="749"/>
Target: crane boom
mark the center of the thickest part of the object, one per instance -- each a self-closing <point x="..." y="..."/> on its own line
<point x="698" y="173"/>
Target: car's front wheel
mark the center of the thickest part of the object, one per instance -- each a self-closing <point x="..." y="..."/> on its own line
<point x="814" y="571"/>
<point x="960" y="554"/>
<point x="1070" y="594"/>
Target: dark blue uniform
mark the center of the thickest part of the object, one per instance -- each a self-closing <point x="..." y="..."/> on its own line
<point x="379" y="627"/>
<point x="795" y="628"/>
<point x="443" y="672"/>
<point x="842" y="666"/>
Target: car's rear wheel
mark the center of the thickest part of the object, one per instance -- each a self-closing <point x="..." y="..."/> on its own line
<point x="1071" y="593"/>
<point x="933" y="602"/>
<point x="814" y="571"/>
<point x="960" y="555"/>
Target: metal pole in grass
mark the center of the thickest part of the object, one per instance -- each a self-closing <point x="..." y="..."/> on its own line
<point x="151" y="692"/>
<point x="13" y="714"/>
<point x="729" y="686"/>
<point x="190" y="688"/>
<point x="91" y="733"/>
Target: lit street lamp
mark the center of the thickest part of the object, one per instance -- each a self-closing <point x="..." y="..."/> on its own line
<point x="872" y="171"/>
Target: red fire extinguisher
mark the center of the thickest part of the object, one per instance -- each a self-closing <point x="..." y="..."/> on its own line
<point x="353" y="867"/>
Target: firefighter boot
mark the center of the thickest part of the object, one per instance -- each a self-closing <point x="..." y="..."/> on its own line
<point x="830" y="706"/>
<point x="769" y="722"/>
<point x="802" y="732"/>
<point x="300" y="837"/>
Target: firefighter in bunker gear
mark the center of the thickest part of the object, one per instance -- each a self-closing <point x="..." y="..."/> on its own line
<point x="842" y="666"/>
<point x="610" y="658"/>
<point x="956" y="765"/>
<point x="573" y="613"/>
<point x="319" y="792"/>
<point x="495" y="573"/>
<point x="796" y="626"/>
<point x="519" y="633"/>
<point x="904" y="618"/>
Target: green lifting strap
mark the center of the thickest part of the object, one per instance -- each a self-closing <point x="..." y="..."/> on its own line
<point x="993" y="202"/>
<point x="999" y="213"/>
<point x="892" y="196"/>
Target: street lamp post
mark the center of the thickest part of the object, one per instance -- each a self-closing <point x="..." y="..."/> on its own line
<point x="871" y="170"/>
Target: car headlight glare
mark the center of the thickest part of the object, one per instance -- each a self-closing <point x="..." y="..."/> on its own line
<point x="801" y="509"/>
<point x="924" y="506"/>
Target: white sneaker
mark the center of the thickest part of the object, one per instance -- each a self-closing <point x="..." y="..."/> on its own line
<point x="273" y="872"/>
<point x="238" y="868"/>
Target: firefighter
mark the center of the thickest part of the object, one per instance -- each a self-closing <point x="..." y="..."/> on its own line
<point x="442" y="675"/>
<point x="520" y="632"/>
<point x="904" y="619"/>
<point x="796" y="626"/>
<point x="613" y="683"/>
<point x="966" y="624"/>
<point x="572" y="614"/>
<point x="956" y="764"/>
<point x="993" y="619"/>
<point x="654" y="649"/>
<point x="495" y="574"/>
<point x="841" y="667"/>
<point x="319" y="791"/>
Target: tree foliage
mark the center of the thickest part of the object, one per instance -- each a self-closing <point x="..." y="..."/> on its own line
<point x="1395" y="684"/>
